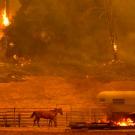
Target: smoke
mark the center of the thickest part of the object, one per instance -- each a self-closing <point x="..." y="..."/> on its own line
<point x="70" y="32"/>
<point x="74" y="24"/>
<point x="124" y="15"/>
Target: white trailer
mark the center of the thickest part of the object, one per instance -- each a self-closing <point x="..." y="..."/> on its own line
<point x="119" y="103"/>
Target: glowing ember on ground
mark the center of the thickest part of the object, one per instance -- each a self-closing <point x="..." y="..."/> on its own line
<point x="125" y="122"/>
<point x="6" y="21"/>
<point x="21" y="61"/>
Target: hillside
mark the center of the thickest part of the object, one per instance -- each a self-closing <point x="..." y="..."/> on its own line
<point x="46" y="91"/>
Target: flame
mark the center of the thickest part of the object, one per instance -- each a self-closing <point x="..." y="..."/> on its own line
<point x="126" y="122"/>
<point x="6" y="21"/>
<point x="21" y="61"/>
<point x="115" y="47"/>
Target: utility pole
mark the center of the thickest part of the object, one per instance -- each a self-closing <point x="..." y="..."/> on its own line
<point x="112" y="28"/>
<point x="6" y="5"/>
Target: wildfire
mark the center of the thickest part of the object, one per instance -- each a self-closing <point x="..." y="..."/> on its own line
<point x="21" y="61"/>
<point x="6" y="21"/>
<point x="115" y="47"/>
<point x="125" y="122"/>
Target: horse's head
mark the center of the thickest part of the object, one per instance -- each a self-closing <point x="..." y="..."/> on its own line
<point x="59" y="110"/>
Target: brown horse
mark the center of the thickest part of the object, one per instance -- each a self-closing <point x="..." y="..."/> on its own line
<point x="50" y="115"/>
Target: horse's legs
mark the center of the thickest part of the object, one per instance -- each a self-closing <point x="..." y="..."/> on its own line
<point x="38" y="119"/>
<point x="55" y="122"/>
<point x="50" y="123"/>
<point x="34" y="122"/>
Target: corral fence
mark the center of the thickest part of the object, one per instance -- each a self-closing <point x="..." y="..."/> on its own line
<point x="20" y="117"/>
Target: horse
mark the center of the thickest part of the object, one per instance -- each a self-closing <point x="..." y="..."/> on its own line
<point x="49" y="115"/>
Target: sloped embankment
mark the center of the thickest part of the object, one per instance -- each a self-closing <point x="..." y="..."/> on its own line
<point x="46" y="91"/>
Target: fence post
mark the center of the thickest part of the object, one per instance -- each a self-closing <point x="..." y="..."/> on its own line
<point x="5" y="120"/>
<point x="66" y="119"/>
<point x="14" y="116"/>
<point x="71" y="110"/>
<point x="19" y="119"/>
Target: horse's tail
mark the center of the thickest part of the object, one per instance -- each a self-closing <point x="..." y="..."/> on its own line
<point x="32" y="115"/>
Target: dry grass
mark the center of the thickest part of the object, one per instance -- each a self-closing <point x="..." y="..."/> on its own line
<point x="48" y="91"/>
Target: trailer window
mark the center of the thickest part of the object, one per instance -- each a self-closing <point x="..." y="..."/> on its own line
<point x="118" y="101"/>
<point x="102" y="99"/>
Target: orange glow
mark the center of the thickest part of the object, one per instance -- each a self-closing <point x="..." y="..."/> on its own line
<point x="115" y="47"/>
<point x="5" y="20"/>
<point x="126" y="122"/>
<point x="21" y="61"/>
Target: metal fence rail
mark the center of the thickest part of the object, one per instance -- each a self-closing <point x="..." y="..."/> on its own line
<point x="20" y="117"/>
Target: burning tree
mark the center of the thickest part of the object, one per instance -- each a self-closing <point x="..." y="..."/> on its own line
<point x="5" y="19"/>
<point x="5" y="22"/>
<point x="112" y="28"/>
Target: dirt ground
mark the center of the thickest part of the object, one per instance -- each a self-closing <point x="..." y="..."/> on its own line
<point x="60" y="132"/>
